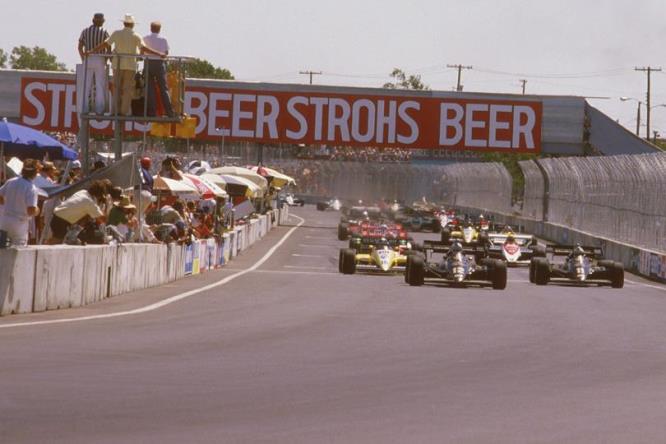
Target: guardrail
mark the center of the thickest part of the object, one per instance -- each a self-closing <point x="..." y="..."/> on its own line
<point x="43" y="278"/>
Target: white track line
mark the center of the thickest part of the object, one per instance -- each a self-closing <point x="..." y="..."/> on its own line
<point x="662" y="288"/>
<point x="170" y="300"/>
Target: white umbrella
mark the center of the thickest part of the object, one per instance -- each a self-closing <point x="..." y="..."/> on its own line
<point x="244" y="173"/>
<point x="279" y="179"/>
<point x="235" y="184"/>
<point x="173" y="186"/>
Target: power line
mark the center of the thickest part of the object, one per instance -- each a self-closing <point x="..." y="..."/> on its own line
<point x="311" y="73"/>
<point x="459" y="86"/>
<point x="648" y="70"/>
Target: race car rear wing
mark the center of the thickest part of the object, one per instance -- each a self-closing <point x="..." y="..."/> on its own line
<point x="565" y="250"/>
<point x="444" y="247"/>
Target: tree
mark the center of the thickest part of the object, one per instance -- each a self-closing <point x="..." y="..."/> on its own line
<point x="203" y="69"/>
<point x="402" y="81"/>
<point x="34" y="58"/>
<point x="3" y="58"/>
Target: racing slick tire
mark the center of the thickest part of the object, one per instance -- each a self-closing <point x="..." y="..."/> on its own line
<point x="343" y="231"/>
<point x="348" y="258"/>
<point x="617" y="275"/>
<point x="541" y="271"/>
<point x="416" y="271"/>
<point x="321" y="206"/>
<point x="341" y="258"/>
<point x="498" y="275"/>
<point x="407" y="265"/>
<point x="436" y="227"/>
<point x="445" y="235"/>
<point x="532" y="270"/>
<point x="538" y="251"/>
<point x="606" y="263"/>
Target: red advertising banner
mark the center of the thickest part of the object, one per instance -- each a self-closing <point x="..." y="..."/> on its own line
<point x="315" y="118"/>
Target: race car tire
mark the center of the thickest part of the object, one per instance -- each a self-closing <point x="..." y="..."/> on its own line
<point x="417" y="247"/>
<point x="321" y="206"/>
<point x="348" y="261"/>
<point x="436" y="227"/>
<point x="483" y="238"/>
<point x="416" y="271"/>
<point x="498" y="275"/>
<point x="445" y="235"/>
<point x="343" y="231"/>
<point x="302" y="203"/>
<point x="488" y="262"/>
<point x="617" y="275"/>
<point x="606" y="264"/>
<point x="541" y="271"/>
<point x="539" y="251"/>
<point x="532" y="270"/>
<point x="341" y="258"/>
<point x="407" y="266"/>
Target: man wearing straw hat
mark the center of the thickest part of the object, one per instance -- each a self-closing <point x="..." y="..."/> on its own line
<point x="125" y="41"/>
<point x="18" y="203"/>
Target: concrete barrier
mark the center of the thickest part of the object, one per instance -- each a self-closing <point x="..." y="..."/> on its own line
<point x="17" y="280"/>
<point x="53" y="277"/>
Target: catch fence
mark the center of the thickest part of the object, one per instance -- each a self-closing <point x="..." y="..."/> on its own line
<point x="485" y="186"/>
<point x="618" y="197"/>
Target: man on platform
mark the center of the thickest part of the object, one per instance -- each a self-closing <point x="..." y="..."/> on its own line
<point x="95" y="64"/>
<point x="18" y="203"/>
<point x="125" y="42"/>
<point x="155" y="70"/>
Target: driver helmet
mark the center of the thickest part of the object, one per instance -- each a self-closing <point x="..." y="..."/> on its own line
<point x="456" y="247"/>
<point x="510" y="237"/>
<point x="508" y="230"/>
<point x="578" y="250"/>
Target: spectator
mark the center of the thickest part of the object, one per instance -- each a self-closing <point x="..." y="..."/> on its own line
<point x="122" y="216"/>
<point x="18" y="202"/>
<point x="90" y="38"/>
<point x="80" y="209"/>
<point x="125" y="41"/>
<point x="147" y="180"/>
<point x="98" y="165"/>
<point x="155" y="71"/>
<point x="74" y="172"/>
<point x="46" y="177"/>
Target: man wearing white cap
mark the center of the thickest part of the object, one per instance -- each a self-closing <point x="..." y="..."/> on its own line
<point x="125" y="41"/>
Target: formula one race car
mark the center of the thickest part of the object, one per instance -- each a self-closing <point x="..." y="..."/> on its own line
<point x="351" y="219"/>
<point x="467" y="232"/>
<point x="582" y="265"/>
<point x="515" y="249"/>
<point x="460" y="266"/>
<point x="291" y="200"/>
<point x="373" y="254"/>
<point x="330" y="204"/>
<point x="417" y="218"/>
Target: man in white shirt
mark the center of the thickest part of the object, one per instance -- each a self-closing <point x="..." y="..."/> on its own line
<point x="155" y="71"/>
<point x="80" y="207"/>
<point x="18" y="200"/>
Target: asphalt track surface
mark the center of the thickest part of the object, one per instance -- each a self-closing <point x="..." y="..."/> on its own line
<point x="295" y="352"/>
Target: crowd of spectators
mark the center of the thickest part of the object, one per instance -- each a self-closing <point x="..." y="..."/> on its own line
<point x="354" y="154"/>
<point x="99" y="212"/>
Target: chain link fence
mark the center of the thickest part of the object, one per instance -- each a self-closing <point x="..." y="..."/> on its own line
<point x="619" y="197"/>
<point x="485" y="186"/>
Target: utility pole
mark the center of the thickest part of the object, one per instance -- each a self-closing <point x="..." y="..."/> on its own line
<point x="648" y="70"/>
<point x="523" y="81"/>
<point x="311" y="73"/>
<point x="459" y="87"/>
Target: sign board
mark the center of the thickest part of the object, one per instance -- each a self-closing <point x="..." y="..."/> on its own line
<point x="319" y="118"/>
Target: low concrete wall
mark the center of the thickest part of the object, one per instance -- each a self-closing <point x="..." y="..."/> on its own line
<point x="43" y="278"/>
<point x="648" y="263"/>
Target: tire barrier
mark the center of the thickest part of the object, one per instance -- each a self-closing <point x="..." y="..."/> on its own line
<point x="44" y="278"/>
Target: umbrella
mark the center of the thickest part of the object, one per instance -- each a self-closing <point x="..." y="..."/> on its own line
<point x="207" y="189"/>
<point x="278" y="179"/>
<point x="173" y="186"/>
<point x="197" y="165"/>
<point x="24" y="142"/>
<point x="235" y="185"/>
<point x="244" y="173"/>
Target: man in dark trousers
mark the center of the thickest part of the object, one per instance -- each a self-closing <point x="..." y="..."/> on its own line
<point x="155" y="71"/>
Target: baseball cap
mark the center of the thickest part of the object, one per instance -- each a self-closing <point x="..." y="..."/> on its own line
<point x="76" y="164"/>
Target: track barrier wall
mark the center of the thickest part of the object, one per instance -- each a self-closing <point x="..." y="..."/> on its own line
<point x="40" y="278"/>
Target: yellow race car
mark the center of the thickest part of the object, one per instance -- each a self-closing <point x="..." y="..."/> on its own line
<point x="373" y="255"/>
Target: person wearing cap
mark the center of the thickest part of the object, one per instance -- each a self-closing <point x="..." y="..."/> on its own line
<point x="125" y="41"/>
<point x="74" y="172"/>
<point x="155" y="71"/>
<point x="95" y="64"/>
<point x="18" y="203"/>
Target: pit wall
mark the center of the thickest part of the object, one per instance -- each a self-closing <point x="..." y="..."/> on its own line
<point x="648" y="263"/>
<point x="41" y="278"/>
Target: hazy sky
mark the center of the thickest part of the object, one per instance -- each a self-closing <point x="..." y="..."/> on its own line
<point x="573" y="47"/>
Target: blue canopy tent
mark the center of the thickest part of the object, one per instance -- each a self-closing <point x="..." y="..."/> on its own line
<point x="24" y="142"/>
